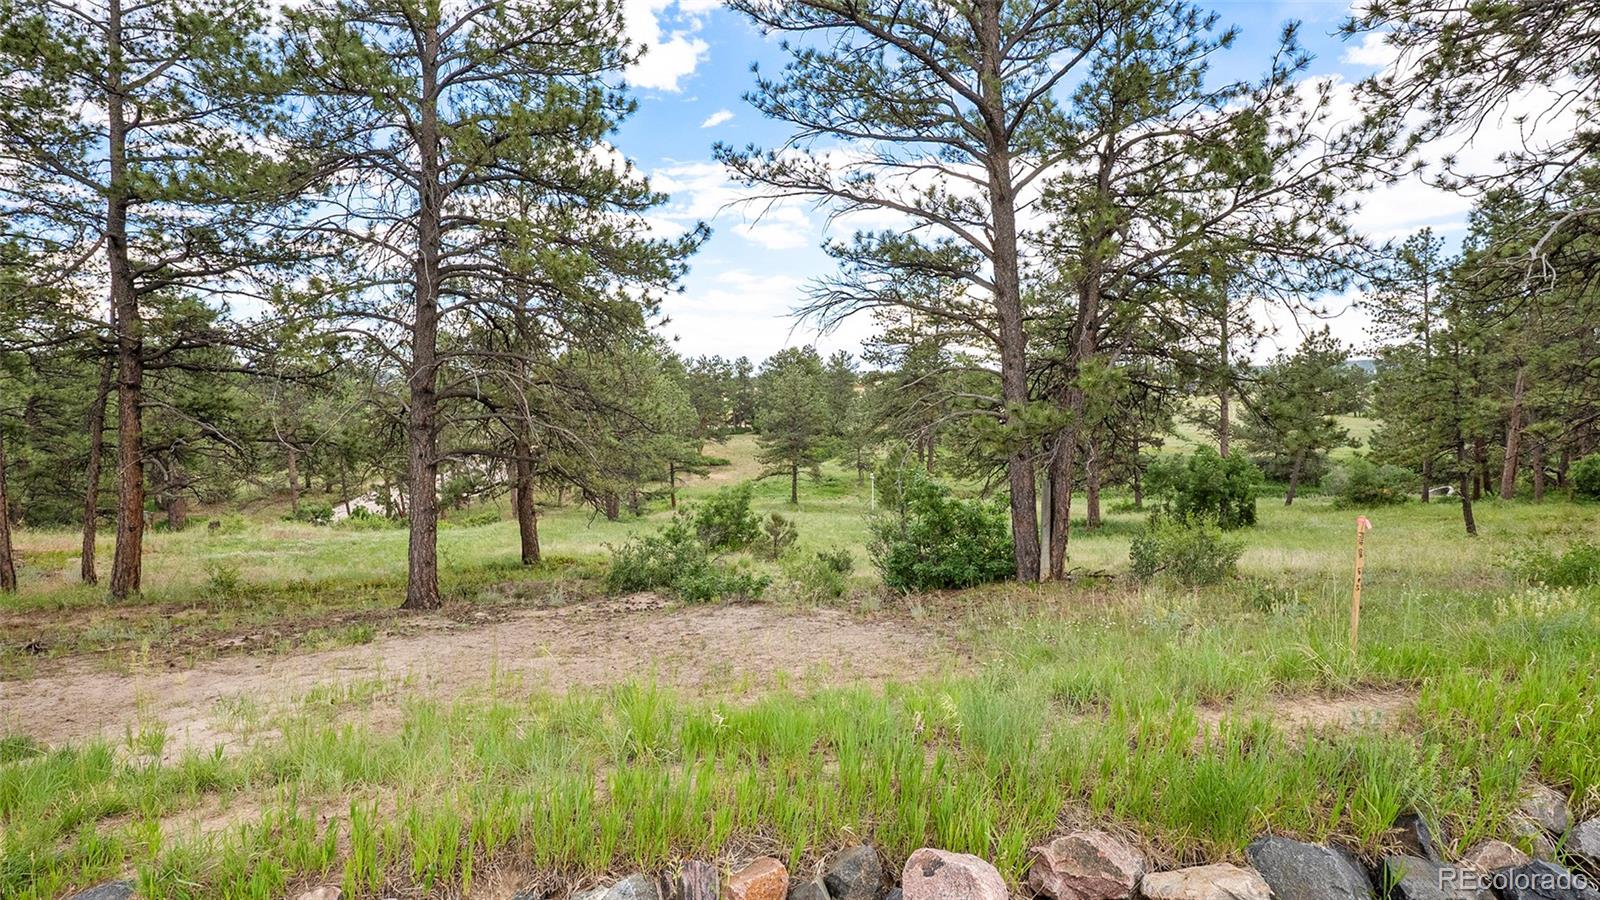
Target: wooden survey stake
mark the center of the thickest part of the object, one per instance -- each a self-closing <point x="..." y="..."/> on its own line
<point x="1363" y="525"/>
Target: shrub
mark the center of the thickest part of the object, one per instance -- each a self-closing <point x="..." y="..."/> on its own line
<point x="1189" y="553"/>
<point x="1577" y="566"/>
<point x="476" y="520"/>
<point x="821" y="576"/>
<point x="725" y="522"/>
<point x="929" y="539"/>
<point x="1360" y="483"/>
<point x="363" y="519"/>
<point x="777" y="535"/>
<point x="1586" y="477"/>
<point x="313" y="513"/>
<point x="1207" y="487"/>
<point x="675" y="560"/>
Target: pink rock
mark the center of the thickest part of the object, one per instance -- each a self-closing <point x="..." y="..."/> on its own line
<point x="938" y="875"/>
<point x="1219" y="882"/>
<point x="1487" y="856"/>
<point x="764" y="879"/>
<point x="1086" y="865"/>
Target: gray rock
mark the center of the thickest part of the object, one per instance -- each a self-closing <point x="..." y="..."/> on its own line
<point x="1300" y="871"/>
<point x="1547" y="808"/>
<point x="894" y="894"/>
<point x="1415" y="878"/>
<point x="1532" y="835"/>
<point x="635" y="887"/>
<point x="1583" y="846"/>
<point x="1222" y="881"/>
<point x="698" y="881"/>
<point x="854" y="873"/>
<point x="1417" y="836"/>
<point x="808" y="890"/>
<point x="111" y="890"/>
<point x="1086" y="865"/>
<point x="1540" y="880"/>
<point x="1486" y="856"/>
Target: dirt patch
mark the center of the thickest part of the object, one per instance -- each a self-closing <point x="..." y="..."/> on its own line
<point x="707" y="650"/>
<point x="1368" y="710"/>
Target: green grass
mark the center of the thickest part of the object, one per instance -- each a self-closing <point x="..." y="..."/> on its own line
<point x="1099" y="701"/>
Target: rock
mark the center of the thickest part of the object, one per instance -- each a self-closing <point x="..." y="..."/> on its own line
<point x="1583" y="846"/>
<point x="1086" y="865"/>
<point x="1547" y="808"/>
<point x="1416" y="836"/>
<point x="1487" y="856"/>
<point x="325" y="892"/>
<point x="808" y="890"/>
<point x="1540" y="880"/>
<point x="938" y="875"/>
<point x="894" y="894"/>
<point x="1415" y="878"/>
<point x="764" y="879"/>
<point x="698" y="881"/>
<point x="1532" y="835"/>
<point x="598" y="893"/>
<point x="634" y="887"/>
<point x="1299" y="871"/>
<point x="854" y="873"/>
<point x="1219" y="882"/>
<point x="111" y="890"/>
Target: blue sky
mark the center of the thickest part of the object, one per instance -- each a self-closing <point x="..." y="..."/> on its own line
<point x="744" y="281"/>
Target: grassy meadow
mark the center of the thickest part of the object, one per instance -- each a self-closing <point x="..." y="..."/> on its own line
<point x="1175" y="715"/>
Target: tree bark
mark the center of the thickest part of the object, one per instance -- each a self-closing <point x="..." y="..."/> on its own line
<point x="91" y="492"/>
<point x="127" y="563"/>
<point x="1294" y="477"/>
<point x="1508" y="471"/>
<point x="794" y="484"/>
<point x="1427" y="478"/>
<point x="1091" y="485"/>
<point x="8" y="559"/>
<point x="1007" y="294"/>
<point x="294" y="477"/>
<point x="672" y="483"/>
<point x="1466" y="489"/>
<point x="422" y="463"/>
<point x="611" y="505"/>
<point x="1224" y="398"/>
<point x="527" y="511"/>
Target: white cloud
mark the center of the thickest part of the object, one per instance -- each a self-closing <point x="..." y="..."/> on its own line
<point x="668" y="31"/>
<point x="716" y="118"/>
<point x="1372" y="51"/>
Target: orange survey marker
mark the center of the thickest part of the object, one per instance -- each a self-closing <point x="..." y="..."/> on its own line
<point x="1363" y="525"/>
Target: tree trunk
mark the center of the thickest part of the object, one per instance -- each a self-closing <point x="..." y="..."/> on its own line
<point x="1537" y="462"/>
<point x="1563" y="466"/>
<point x="177" y="508"/>
<point x="1007" y="293"/>
<point x="1224" y="398"/>
<point x="794" y="484"/>
<point x="8" y="560"/>
<point x="294" y="477"/>
<point x="527" y="511"/>
<point x="1138" y="479"/>
<point x="611" y="505"/>
<point x="127" y="563"/>
<point x="1508" y="471"/>
<point x="672" y="483"/>
<point x="422" y="463"/>
<point x="1294" y="477"/>
<point x="91" y="491"/>
<point x="1478" y="464"/>
<point x="1427" y="478"/>
<point x="1466" y="490"/>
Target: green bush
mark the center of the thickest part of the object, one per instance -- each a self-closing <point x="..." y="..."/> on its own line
<point x="363" y="519"/>
<point x="821" y="576"/>
<point x="725" y="521"/>
<point x="928" y="539"/>
<point x="1586" y="477"/>
<point x="1358" y="483"/>
<point x="1190" y="553"/>
<point x="676" y="561"/>
<point x="1206" y="487"/>
<point x="777" y="535"/>
<point x="1577" y="566"/>
<point x="476" y="520"/>
<point x="313" y="513"/>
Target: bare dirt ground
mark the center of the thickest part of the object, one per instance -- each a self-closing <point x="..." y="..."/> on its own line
<point x="711" y="650"/>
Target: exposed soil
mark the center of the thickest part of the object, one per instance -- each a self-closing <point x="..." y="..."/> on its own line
<point x="716" y="649"/>
<point x="1369" y="710"/>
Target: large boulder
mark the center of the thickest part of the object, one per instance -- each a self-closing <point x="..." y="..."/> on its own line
<point x="854" y="873"/>
<point x="763" y="879"/>
<point x="1487" y="856"/>
<point x="1540" y="880"/>
<point x="940" y="875"/>
<point x="808" y="890"/>
<point x="1223" y="881"/>
<point x="1547" y="808"/>
<point x="1300" y="871"/>
<point x="1086" y="865"/>
<point x="1415" y="878"/>
<point x="1583" y="846"/>
<point x="111" y="890"/>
